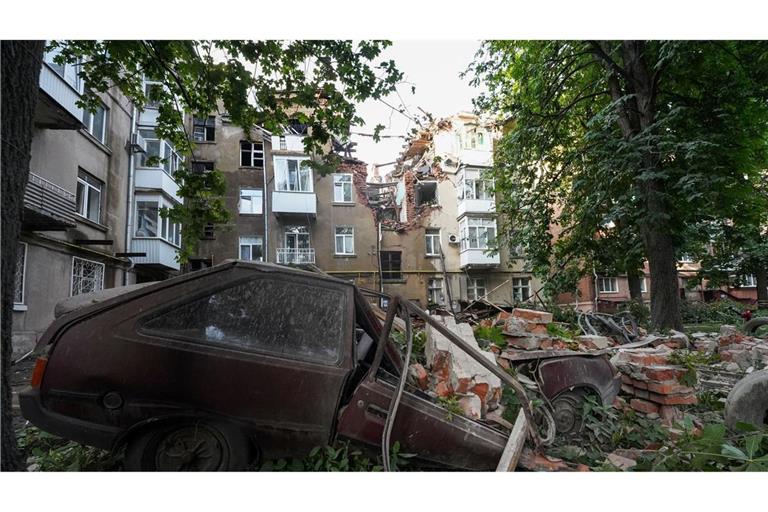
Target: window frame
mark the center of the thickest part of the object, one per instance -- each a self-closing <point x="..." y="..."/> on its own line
<point x="169" y="159"/>
<point x="88" y="121"/>
<point x="432" y="288"/>
<point x="477" y="225"/>
<point x="473" y="286"/>
<point x="429" y="240"/>
<point x="72" y="276"/>
<point x="208" y="125"/>
<point x="250" y="246"/>
<point x="347" y="181"/>
<point x="259" y="193"/>
<point x="344" y="238"/>
<point x="252" y="152"/>
<point x="643" y="285"/>
<point x="165" y="229"/>
<point x="601" y="284"/>
<point x="282" y="182"/>
<point x="518" y="285"/>
<point x="750" y="281"/>
<point x="21" y="256"/>
<point x="387" y="275"/>
<point x="96" y="184"/>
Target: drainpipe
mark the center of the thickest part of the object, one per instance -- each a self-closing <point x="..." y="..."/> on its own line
<point x="597" y="290"/>
<point x="378" y="257"/>
<point x="266" y="210"/>
<point x="129" y="206"/>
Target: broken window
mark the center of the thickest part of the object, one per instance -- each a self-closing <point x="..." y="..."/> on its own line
<point x="199" y="167"/>
<point x="345" y="240"/>
<point x="251" y="154"/>
<point x="608" y="285"/>
<point x="291" y="175"/>
<point x="475" y="288"/>
<point x="204" y="129"/>
<point x="432" y="237"/>
<point x="251" y="248"/>
<point x="521" y="289"/>
<point x="342" y="188"/>
<point x="250" y="201"/>
<point x="426" y="192"/>
<point x="266" y="315"/>
<point x="478" y="233"/>
<point x="390" y="265"/>
<point x="435" y="291"/>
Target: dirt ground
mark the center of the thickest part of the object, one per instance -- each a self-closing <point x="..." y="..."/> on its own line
<point x="20" y="375"/>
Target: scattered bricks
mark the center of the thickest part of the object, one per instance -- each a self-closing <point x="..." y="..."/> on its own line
<point x="663" y="373"/>
<point x="619" y="403"/>
<point x="669" y="388"/>
<point x="726" y="355"/>
<point x="643" y="406"/>
<point x="559" y="345"/>
<point x="679" y="339"/>
<point x="503" y="363"/>
<point x="524" y="343"/>
<point x="670" y="415"/>
<point x="420" y="375"/>
<point x="534" y="328"/>
<point x="594" y="342"/>
<point x="443" y="389"/>
<point x="503" y="316"/>
<point x="533" y="461"/>
<point x="626" y="388"/>
<point x="533" y="315"/>
<point x="639" y="384"/>
<point x="483" y="392"/>
<point x="648" y="359"/>
<point x="619" y="462"/>
<point x="441" y="365"/>
<point x="514" y="326"/>
<point x="727" y="330"/>
<point x="462" y="385"/>
<point x="685" y="399"/>
<point x="626" y="379"/>
<point x="547" y="344"/>
<point x="731" y="339"/>
<point x="705" y="345"/>
<point x="471" y="406"/>
<point x="493" y="402"/>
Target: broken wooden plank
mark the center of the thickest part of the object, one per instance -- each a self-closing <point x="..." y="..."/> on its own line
<point x="515" y="443"/>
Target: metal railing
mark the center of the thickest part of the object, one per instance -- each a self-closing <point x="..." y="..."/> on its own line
<point x="290" y="256"/>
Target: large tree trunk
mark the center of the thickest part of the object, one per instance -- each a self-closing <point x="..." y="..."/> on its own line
<point x="634" y="280"/>
<point x="21" y="61"/>
<point x="665" y="293"/>
<point x="761" y="276"/>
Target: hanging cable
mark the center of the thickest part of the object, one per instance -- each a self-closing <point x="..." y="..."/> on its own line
<point x="395" y="403"/>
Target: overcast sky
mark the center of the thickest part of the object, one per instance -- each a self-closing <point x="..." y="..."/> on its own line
<point x="433" y="67"/>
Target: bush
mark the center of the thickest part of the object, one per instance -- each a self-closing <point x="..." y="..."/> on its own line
<point x="720" y="311"/>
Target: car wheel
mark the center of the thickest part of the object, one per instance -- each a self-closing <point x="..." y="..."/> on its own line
<point x="567" y="410"/>
<point x="188" y="445"/>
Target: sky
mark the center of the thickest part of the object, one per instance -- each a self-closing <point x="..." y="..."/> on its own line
<point x="433" y="68"/>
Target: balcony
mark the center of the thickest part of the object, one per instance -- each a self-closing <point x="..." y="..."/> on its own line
<point x="474" y="258"/>
<point x="289" y="143"/>
<point x="148" y="117"/>
<point x="157" y="179"/>
<point x="289" y="202"/>
<point x="290" y="256"/>
<point x="476" y="157"/>
<point x="482" y="206"/>
<point x="56" y="107"/>
<point x="47" y="206"/>
<point x="159" y="253"/>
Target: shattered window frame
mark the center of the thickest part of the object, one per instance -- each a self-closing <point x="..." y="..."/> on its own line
<point x="521" y="289"/>
<point x="476" y="287"/>
<point x="432" y="241"/>
<point x="345" y="235"/>
<point x="342" y="188"/>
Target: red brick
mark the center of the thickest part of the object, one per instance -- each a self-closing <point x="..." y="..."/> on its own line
<point x="503" y="315"/>
<point x="640" y="384"/>
<point x="481" y="390"/>
<point x="547" y="344"/>
<point x="673" y="399"/>
<point x="536" y="328"/>
<point x="643" y="406"/>
<point x="443" y="389"/>
<point x="648" y="359"/>
<point x="626" y="388"/>
<point x="462" y="385"/>
<point x="441" y="365"/>
<point x="731" y="339"/>
<point x="532" y="315"/>
<point x="626" y="379"/>
<point x="669" y="388"/>
<point x="422" y="377"/>
<point x="662" y="373"/>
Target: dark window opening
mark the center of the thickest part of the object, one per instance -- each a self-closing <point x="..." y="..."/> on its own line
<point x="297" y="128"/>
<point x="204" y="129"/>
<point x="390" y="265"/>
<point x="208" y="232"/>
<point x="202" y="167"/>
<point x="251" y="154"/>
<point x="426" y="193"/>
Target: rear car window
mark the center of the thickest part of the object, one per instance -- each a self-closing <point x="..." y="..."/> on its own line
<point x="265" y="315"/>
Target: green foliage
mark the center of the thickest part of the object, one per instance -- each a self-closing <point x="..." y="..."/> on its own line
<point x="491" y="334"/>
<point x="639" y="311"/>
<point x="722" y="311"/>
<point x="556" y="329"/>
<point x="418" y="354"/>
<point x="256" y="83"/>
<point x="690" y="359"/>
<point x="563" y="314"/>
<point x="511" y="404"/>
<point x="340" y="457"/>
<point x="51" y="453"/>
<point x="451" y="405"/>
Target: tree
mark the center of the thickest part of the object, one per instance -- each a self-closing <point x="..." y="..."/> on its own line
<point x="625" y="143"/>
<point x="259" y="83"/>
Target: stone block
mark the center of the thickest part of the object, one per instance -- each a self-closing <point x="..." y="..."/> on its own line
<point x="643" y="406"/>
<point x="532" y="315"/>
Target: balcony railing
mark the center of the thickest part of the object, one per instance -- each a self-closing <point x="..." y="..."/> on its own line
<point x="47" y="206"/>
<point x="289" y="256"/>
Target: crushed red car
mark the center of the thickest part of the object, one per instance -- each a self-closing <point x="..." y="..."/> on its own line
<point x="214" y="369"/>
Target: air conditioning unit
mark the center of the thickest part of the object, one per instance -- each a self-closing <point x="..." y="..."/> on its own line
<point x="137" y="144"/>
<point x="453" y="239"/>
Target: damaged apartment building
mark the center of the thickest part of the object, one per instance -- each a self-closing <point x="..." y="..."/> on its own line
<point x="438" y="223"/>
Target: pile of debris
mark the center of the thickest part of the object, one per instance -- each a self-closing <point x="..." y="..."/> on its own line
<point x="653" y="383"/>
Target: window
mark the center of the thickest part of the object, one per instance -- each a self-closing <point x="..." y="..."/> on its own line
<point x="475" y="288"/>
<point x="251" y="200"/>
<point x="202" y="167"/>
<point x="161" y="152"/>
<point x="152" y="92"/>
<point x="521" y="289"/>
<point x="204" y="129"/>
<point x="88" y="197"/>
<point x="432" y="237"/>
<point x="474" y="140"/>
<point x="87" y="276"/>
<point x="69" y="72"/>
<point x="750" y="280"/>
<point x="390" y="265"/>
<point x="151" y="224"/>
<point x="96" y="123"/>
<point x="643" y="288"/>
<point x="686" y="258"/>
<point x="476" y="187"/>
<point x="478" y="233"/>
<point x="251" y="154"/>
<point x="21" y="270"/>
<point x="608" y="285"/>
<point x="342" y="188"/>
<point x="251" y="248"/>
<point x="426" y="192"/>
<point x="273" y="316"/>
<point x="297" y="237"/>
<point x="290" y="175"/>
<point x="345" y="240"/>
<point x="435" y="291"/>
